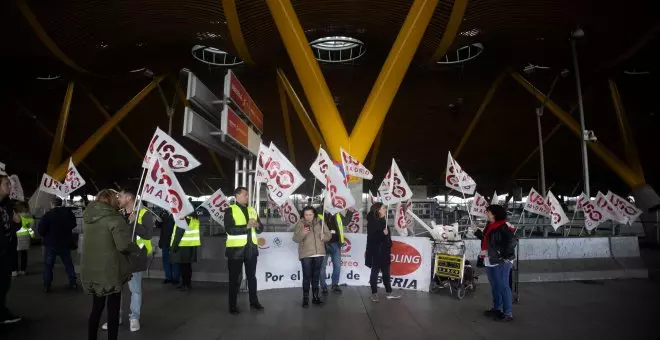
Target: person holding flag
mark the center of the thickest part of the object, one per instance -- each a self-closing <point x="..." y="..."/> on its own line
<point x="242" y="225"/>
<point x="7" y="249"/>
<point x="183" y="248"/>
<point x="333" y="249"/>
<point x="24" y="236"/>
<point x="310" y="236"/>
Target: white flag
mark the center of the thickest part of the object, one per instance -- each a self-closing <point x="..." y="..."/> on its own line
<point x="353" y="167"/>
<point x="162" y="188"/>
<point x="355" y="224"/>
<point x="536" y="204"/>
<point x="320" y="165"/>
<point x="402" y="220"/>
<point x="557" y="215"/>
<point x="592" y="214"/>
<point x="610" y="212"/>
<point x="337" y="195"/>
<point x="176" y="156"/>
<point x="51" y="186"/>
<point x="289" y="213"/>
<point x="457" y="179"/>
<point x="624" y="207"/>
<point x="263" y="158"/>
<point x="3" y="169"/>
<point x="216" y="206"/>
<point x="494" y="200"/>
<point x="73" y="180"/>
<point x="282" y="177"/>
<point x="394" y="187"/>
<point x="478" y="205"/>
<point x="16" y="189"/>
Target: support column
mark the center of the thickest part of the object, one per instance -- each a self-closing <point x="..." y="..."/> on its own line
<point x="58" y="139"/>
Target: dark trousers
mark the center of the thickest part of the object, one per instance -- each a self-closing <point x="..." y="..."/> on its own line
<point x="50" y="254"/>
<point x="5" y="283"/>
<point x="98" y="304"/>
<point x="235" y="270"/>
<point x="311" y="267"/>
<point x="171" y="269"/>
<point x="20" y="263"/>
<point x="373" y="280"/>
<point x="186" y="273"/>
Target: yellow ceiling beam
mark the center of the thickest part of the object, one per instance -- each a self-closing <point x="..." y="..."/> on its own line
<point x="375" y="149"/>
<point x="632" y="156"/>
<point x="455" y="20"/>
<point x="287" y="121"/>
<point x="234" y="25"/>
<point x="60" y="132"/>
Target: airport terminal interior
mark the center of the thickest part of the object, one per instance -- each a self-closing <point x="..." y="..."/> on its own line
<point x="475" y="169"/>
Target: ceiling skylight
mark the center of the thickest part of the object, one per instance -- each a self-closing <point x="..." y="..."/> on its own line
<point x="337" y="49"/>
<point x="214" y="56"/>
<point x="462" y="54"/>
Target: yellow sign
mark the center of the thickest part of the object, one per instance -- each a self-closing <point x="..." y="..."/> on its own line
<point x="450" y="266"/>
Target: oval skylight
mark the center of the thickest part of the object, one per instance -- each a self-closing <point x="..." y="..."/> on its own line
<point x="462" y="54"/>
<point x="338" y="49"/>
<point x="214" y="56"/>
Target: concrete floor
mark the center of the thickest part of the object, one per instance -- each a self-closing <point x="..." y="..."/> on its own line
<point x="589" y="310"/>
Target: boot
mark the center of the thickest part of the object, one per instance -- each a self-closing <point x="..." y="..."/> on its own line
<point x="335" y="288"/>
<point x="315" y="297"/>
<point x="305" y="303"/>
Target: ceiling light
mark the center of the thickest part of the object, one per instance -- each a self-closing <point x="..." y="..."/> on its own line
<point x="337" y="49"/>
<point x="463" y="54"/>
<point x="471" y="33"/>
<point x="207" y="35"/>
<point x="214" y="56"/>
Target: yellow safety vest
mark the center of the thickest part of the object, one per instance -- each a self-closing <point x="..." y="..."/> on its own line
<point x="139" y="240"/>
<point x="26" y="227"/>
<point x="340" y="226"/>
<point x="191" y="237"/>
<point x="237" y="241"/>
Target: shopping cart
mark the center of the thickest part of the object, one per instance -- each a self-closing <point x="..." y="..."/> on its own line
<point x="452" y="270"/>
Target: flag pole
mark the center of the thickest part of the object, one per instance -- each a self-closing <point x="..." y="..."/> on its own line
<point x="138" y="201"/>
<point x="135" y="206"/>
<point x="467" y="207"/>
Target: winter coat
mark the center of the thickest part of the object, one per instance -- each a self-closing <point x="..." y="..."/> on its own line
<point x="107" y="248"/>
<point x="499" y="242"/>
<point x="56" y="228"/>
<point x="7" y="232"/>
<point x="166" y="230"/>
<point x="182" y="254"/>
<point x="312" y="243"/>
<point x="379" y="245"/>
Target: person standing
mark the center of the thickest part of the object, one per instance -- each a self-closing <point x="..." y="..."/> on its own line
<point x="170" y="269"/>
<point x="242" y="225"/>
<point x="379" y="249"/>
<point x="24" y="236"/>
<point x="7" y="247"/>
<point x="106" y="265"/>
<point x="184" y="246"/>
<point x="333" y="251"/>
<point x="310" y="236"/>
<point x="498" y="249"/>
<point x="56" y="229"/>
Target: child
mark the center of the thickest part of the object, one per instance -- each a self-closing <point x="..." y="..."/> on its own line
<point x="23" y="235"/>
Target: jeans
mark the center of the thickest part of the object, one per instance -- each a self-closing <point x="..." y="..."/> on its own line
<point x="373" y="279"/>
<point x="498" y="277"/>
<point x="171" y="269"/>
<point x="332" y="251"/>
<point x="311" y="267"/>
<point x="135" y="287"/>
<point x="98" y="304"/>
<point x="50" y="254"/>
<point x="235" y="270"/>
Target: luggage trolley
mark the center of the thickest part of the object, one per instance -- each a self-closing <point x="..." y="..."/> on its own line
<point x="452" y="270"/>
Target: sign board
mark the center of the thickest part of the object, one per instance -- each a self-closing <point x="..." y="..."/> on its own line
<point x="236" y="93"/>
<point x="450" y="266"/>
<point x="236" y="129"/>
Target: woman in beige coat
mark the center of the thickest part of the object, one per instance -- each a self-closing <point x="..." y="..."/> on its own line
<point x="310" y="236"/>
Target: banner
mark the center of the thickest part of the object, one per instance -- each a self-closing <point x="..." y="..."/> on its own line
<point x="592" y="215"/>
<point x="283" y="178"/>
<point x="610" y="212"/>
<point x="495" y="200"/>
<point x="279" y="266"/>
<point x="402" y="221"/>
<point x="355" y="224"/>
<point x="289" y="213"/>
<point x="216" y="206"/>
<point x="624" y="207"/>
<point x="16" y="189"/>
<point x="478" y="205"/>
<point x="50" y="185"/>
<point x="394" y="187"/>
<point x="176" y="156"/>
<point x="457" y="179"/>
<point x="353" y="167"/>
<point x="73" y="180"/>
<point x="261" y="175"/>
<point x="536" y="204"/>
<point x="320" y="165"/>
<point x="3" y="169"/>
<point x="162" y="188"/>
<point x="337" y="195"/>
<point x="557" y="215"/>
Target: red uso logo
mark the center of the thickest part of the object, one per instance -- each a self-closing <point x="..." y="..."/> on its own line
<point x="168" y="152"/>
<point x="72" y="179"/>
<point x="283" y="178"/>
<point x="592" y="212"/>
<point x="405" y="259"/>
<point x="346" y="248"/>
<point x="176" y="203"/>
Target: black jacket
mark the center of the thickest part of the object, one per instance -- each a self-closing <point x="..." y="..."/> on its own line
<point x="331" y="223"/>
<point x="501" y="245"/>
<point x="251" y="249"/>
<point x="166" y="230"/>
<point x="56" y="227"/>
<point x="140" y="259"/>
<point x="379" y="245"/>
<point x="8" y="231"/>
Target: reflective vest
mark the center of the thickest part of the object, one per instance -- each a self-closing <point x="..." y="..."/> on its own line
<point x="340" y="227"/>
<point x="191" y="237"/>
<point x="26" y="227"/>
<point x="237" y="241"/>
<point x="139" y="240"/>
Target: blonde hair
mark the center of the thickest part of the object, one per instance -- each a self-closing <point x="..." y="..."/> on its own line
<point x="108" y="196"/>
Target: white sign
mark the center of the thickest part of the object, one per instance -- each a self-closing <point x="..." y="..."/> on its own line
<point x="355" y="224"/>
<point x="557" y="215"/>
<point x="73" y="180"/>
<point x="478" y="206"/>
<point x="592" y="215"/>
<point x="457" y="179"/>
<point x="3" y="169"/>
<point x="282" y="177"/>
<point x="162" y="188"/>
<point x="337" y="195"/>
<point x="320" y="165"/>
<point x="610" y="212"/>
<point x="50" y="185"/>
<point x="279" y="266"/>
<point x="353" y="167"/>
<point x="216" y="206"/>
<point x="176" y="156"/>
<point x="536" y="204"/>
<point x="16" y="189"/>
<point x="625" y="208"/>
<point x="402" y="221"/>
<point x="394" y="187"/>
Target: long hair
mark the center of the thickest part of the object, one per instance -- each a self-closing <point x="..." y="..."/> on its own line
<point x="108" y="196"/>
<point x="373" y="211"/>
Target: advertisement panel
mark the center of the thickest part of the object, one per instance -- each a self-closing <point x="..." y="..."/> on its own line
<point x="236" y="93"/>
<point x="234" y="127"/>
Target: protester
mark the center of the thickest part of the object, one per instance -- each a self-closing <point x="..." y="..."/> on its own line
<point x="24" y="237"/>
<point x="56" y="229"/>
<point x="497" y="252"/>
<point x="7" y="249"/>
<point x="310" y="236"/>
<point x="170" y="269"/>
<point x="379" y="249"/>
<point x="333" y="251"/>
<point x="144" y="228"/>
<point x="184" y="249"/>
<point x="242" y="225"/>
<point x="106" y="265"/>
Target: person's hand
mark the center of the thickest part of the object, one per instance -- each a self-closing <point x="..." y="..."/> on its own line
<point x="131" y="217"/>
<point x="483" y="253"/>
<point x="252" y="223"/>
<point x="386" y="231"/>
<point x="306" y="229"/>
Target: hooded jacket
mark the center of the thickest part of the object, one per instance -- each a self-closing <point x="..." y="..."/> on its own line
<point x="379" y="245"/>
<point x="312" y="243"/>
<point x="106" y="250"/>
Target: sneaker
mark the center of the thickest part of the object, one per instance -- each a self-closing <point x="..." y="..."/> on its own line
<point x="234" y="311"/>
<point x="491" y="313"/>
<point x="135" y="325"/>
<point x="504" y="318"/>
<point x="105" y="325"/>
<point x="335" y="289"/>
<point x="256" y="306"/>
<point x="14" y="274"/>
<point x="9" y="318"/>
<point x="393" y="296"/>
<point x="374" y="298"/>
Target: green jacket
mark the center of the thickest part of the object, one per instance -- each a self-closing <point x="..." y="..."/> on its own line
<point x="106" y="250"/>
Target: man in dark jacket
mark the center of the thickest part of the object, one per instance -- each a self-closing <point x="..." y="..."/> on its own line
<point x="7" y="247"/>
<point x="56" y="229"/>
<point x="171" y="269"/>
<point x="242" y="224"/>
